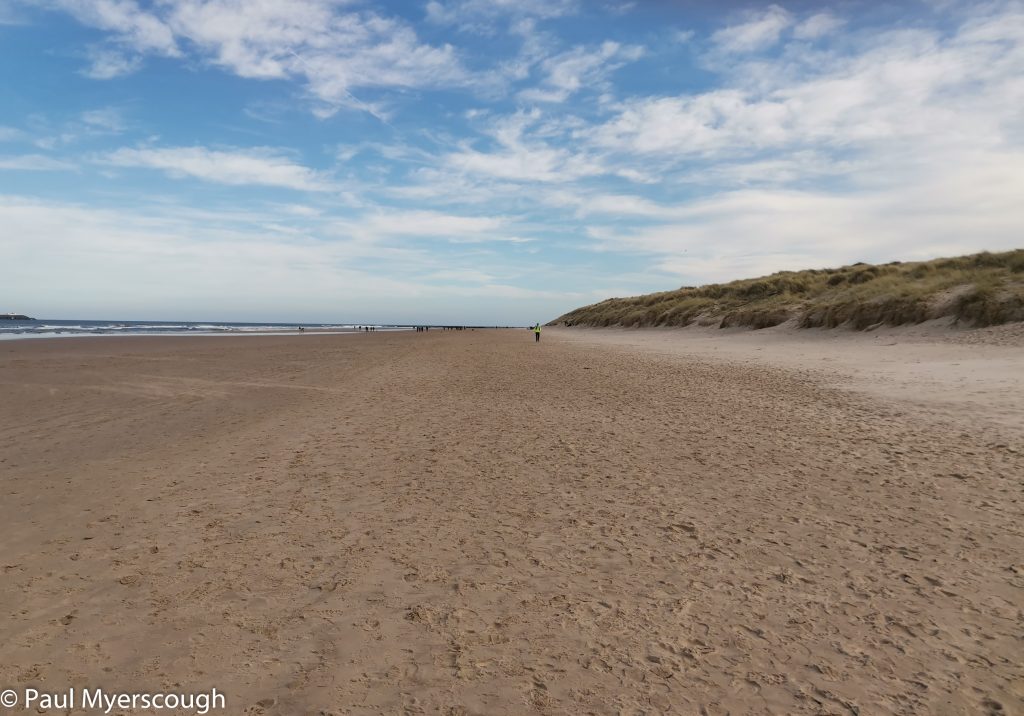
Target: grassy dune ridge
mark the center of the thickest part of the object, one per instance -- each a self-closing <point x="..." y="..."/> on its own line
<point x="978" y="290"/>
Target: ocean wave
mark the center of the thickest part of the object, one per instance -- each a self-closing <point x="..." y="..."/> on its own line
<point x="24" y="329"/>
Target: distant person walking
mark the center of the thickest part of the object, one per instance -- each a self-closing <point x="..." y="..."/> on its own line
<point x="536" y="333"/>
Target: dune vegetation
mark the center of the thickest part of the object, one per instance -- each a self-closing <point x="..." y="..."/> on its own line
<point x="978" y="290"/>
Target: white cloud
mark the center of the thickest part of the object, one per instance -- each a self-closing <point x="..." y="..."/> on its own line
<point x="10" y="134"/>
<point x="335" y="50"/>
<point x="376" y="225"/>
<point x="50" y="134"/>
<point x="536" y="45"/>
<point x="302" y="211"/>
<point x="920" y="134"/>
<point x="683" y="36"/>
<point x="604" y="204"/>
<point x="462" y="276"/>
<point x="154" y="265"/>
<point x="429" y="224"/>
<point x="521" y="163"/>
<point x="481" y="15"/>
<point x="884" y="144"/>
<point x="819" y="25"/>
<point x="107" y="63"/>
<point x="447" y="186"/>
<point x="167" y="263"/>
<point x="9" y="14"/>
<point x="752" y="232"/>
<point x="106" y="119"/>
<point x="904" y="86"/>
<point x="35" y="163"/>
<point x="133" y="26"/>
<point x="691" y="124"/>
<point x="760" y="31"/>
<point x="264" y="167"/>
<point x="792" y="167"/>
<point x="521" y="159"/>
<point x="570" y="71"/>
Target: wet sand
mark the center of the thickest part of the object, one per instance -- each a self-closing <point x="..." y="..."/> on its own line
<point x="470" y="523"/>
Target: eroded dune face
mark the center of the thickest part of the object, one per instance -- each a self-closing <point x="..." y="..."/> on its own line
<point x="470" y="522"/>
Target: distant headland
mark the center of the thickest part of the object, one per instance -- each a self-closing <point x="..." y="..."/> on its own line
<point x="14" y="317"/>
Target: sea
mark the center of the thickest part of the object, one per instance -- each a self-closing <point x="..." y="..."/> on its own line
<point x="46" y="328"/>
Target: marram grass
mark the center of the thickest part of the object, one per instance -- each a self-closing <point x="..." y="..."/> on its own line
<point x="979" y="290"/>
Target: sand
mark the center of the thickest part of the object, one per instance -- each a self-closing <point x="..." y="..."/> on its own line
<point x="613" y="522"/>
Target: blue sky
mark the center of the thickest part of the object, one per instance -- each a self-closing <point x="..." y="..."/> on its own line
<point x="488" y="162"/>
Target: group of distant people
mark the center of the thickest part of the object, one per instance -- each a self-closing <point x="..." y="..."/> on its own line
<point x="420" y="329"/>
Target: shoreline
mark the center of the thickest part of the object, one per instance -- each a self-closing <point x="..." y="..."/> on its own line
<point x="183" y="334"/>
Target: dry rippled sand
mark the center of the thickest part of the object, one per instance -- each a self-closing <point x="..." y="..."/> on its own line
<point x="469" y="523"/>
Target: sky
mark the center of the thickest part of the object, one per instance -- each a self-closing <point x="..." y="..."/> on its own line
<point x="488" y="161"/>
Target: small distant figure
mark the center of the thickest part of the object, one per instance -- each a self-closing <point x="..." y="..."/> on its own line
<point x="301" y="329"/>
<point x="536" y="333"/>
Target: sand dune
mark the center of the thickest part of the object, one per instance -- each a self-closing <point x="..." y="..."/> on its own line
<point x="469" y="523"/>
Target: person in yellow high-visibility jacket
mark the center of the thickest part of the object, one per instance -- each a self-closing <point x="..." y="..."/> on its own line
<point x="536" y="333"/>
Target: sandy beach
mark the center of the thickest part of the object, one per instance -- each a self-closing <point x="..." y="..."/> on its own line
<point x="609" y="522"/>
